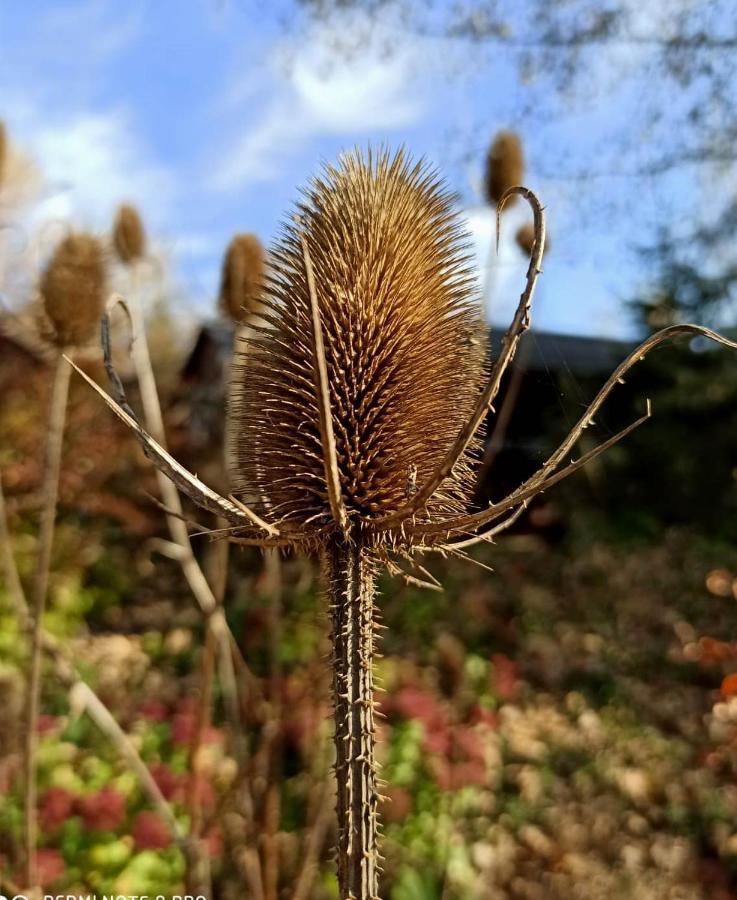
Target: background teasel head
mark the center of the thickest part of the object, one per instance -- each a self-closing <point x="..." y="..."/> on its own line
<point x="129" y="236"/>
<point x="505" y="166"/>
<point x="400" y="319"/>
<point x="73" y="288"/>
<point x="242" y="277"/>
<point x="525" y="238"/>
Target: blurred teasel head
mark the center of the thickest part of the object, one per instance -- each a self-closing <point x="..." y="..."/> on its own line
<point x="525" y="239"/>
<point x="73" y="288"/>
<point x="129" y="235"/>
<point x="505" y="166"/>
<point x="242" y="278"/>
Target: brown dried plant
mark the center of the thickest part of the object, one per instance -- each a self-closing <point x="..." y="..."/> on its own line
<point x="72" y="289"/>
<point x="355" y="421"/>
<point x="505" y="166"/>
<point x="129" y="235"/>
<point x="242" y="277"/>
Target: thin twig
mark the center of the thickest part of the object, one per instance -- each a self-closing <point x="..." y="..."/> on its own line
<point x="177" y="528"/>
<point x="487" y="535"/>
<point x="82" y="694"/>
<point x="50" y="493"/>
<point x="314" y="845"/>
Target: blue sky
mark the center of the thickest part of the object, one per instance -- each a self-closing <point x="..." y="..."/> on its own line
<point x="209" y="114"/>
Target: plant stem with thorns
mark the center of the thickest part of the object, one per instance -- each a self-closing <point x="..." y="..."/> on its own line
<point x="351" y="576"/>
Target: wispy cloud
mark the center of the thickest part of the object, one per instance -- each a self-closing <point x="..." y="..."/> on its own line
<point x="322" y="95"/>
<point x="90" y="163"/>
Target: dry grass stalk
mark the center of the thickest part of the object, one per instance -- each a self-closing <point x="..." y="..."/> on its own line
<point x="505" y="166"/>
<point x="170" y="497"/>
<point x="198" y="874"/>
<point x="242" y="278"/>
<point x="129" y="236"/>
<point x="72" y="289"/>
<point x="393" y="323"/>
<point x="184" y="555"/>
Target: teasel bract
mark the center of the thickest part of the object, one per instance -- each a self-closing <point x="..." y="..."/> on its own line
<point x="505" y="166"/>
<point x="242" y="278"/>
<point x="355" y="411"/>
<point x="129" y="235"/>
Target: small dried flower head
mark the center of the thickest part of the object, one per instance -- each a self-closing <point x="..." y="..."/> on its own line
<point x="505" y="166"/>
<point x="73" y="288"/>
<point x="401" y="324"/>
<point x="129" y="236"/>
<point x="525" y="239"/>
<point x="242" y="277"/>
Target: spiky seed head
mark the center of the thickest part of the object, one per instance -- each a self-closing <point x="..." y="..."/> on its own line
<point x="525" y="238"/>
<point x="129" y="235"/>
<point x="401" y="324"/>
<point x="73" y="289"/>
<point x="242" y="277"/>
<point x="505" y="166"/>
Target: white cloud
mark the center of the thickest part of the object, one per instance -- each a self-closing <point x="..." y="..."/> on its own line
<point x="91" y="162"/>
<point x="323" y="94"/>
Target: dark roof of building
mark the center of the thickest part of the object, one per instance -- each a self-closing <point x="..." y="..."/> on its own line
<point x="543" y="351"/>
<point x="549" y="352"/>
<point x="213" y="345"/>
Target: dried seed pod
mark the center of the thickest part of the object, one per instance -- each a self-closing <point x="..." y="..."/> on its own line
<point x="398" y="305"/>
<point x="242" y="277"/>
<point x="129" y="235"/>
<point x="73" y="288"/>
<point x="525" y="239"/>
<point x="505" y="166"/>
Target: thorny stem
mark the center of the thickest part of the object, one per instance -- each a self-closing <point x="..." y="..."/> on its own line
<point x="272" y="805"/>
<point x="50" y="492"/>
<point x="351" y="575"/>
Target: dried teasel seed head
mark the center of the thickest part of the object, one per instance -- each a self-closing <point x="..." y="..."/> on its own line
<point x="505" y="166"/>
<point x="73" y="289"/>
<point x="401" y="321"/>
<point x="129" y="235"/>
<point x="525" y="238"/>
<point x="242" y="277"/>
